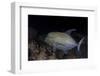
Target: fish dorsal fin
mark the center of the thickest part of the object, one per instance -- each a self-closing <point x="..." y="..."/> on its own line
<point x="70" y="31"/>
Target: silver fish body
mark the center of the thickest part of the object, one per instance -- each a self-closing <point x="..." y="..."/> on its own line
<point x="61" y="41"/>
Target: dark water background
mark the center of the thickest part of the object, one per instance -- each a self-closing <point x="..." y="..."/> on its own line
<point x="45" y="24"/>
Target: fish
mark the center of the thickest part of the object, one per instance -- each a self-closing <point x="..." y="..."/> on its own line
<point x="63" y="41"/>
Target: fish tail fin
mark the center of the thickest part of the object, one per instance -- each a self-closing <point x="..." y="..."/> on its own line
<point x="78" y="52"/>
<point x="79" y="44"/>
